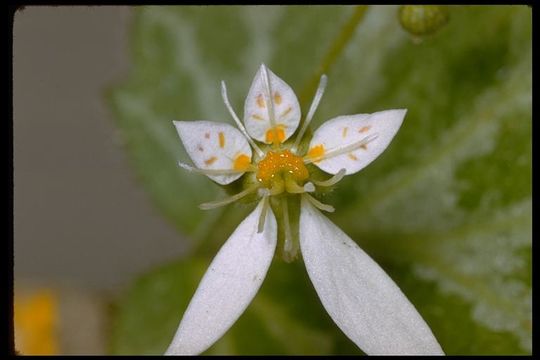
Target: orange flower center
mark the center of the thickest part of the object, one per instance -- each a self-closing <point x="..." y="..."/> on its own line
<point x="275" y="165"/>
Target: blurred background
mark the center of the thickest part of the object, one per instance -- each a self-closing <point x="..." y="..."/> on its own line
<point x="110" y="245"/>
<point x="83" y="226"/>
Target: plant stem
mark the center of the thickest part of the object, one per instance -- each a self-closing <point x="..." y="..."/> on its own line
<point x="338" y="45"/>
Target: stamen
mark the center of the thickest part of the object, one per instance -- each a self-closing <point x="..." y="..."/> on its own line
<point x="270" y="107"/>
<point x="288" y="244"/>
<point x="311" y="112"/>
<point x="319" y="205"/>
<point x="262" y="217"/>
<point x="292" y="186"/>
<point x="237" y="120"/>
<point x="343" y="150"/>
<point x="215" y="171"/>
<point x="309" y="187"/>
<point x="219" y="203"/>
<point x="333" y="180"/>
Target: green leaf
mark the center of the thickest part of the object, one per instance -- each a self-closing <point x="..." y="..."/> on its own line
<point x="446" y="209"/>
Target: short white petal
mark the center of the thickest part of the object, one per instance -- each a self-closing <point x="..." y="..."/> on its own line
<point x="343" y="131"/>
<point x="228" y="286"/>
<point x="359" y="296"/>
<point x="286" y="108"/>
<point x="212" y="145"/>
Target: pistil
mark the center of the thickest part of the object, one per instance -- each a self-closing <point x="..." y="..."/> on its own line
<point x="283" y="171"/>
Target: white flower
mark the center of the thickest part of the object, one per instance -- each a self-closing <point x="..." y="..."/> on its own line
<point x="361" y="299"/>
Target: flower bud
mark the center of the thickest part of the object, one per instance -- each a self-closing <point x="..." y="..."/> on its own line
<point x="422" y="20"/>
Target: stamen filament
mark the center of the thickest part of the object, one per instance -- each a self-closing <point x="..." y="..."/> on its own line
<point x="314" y="105"/>
<point x="332" y="181"/>
<point x="262" y="217"/>
<point x="292" y="186"/>
<point x="343" y="150"/>
<point x="270" y="103"/>
<point x="287" y="246"/>
<point x="215" y="171"/>
<point x="237" y="120"/>
<point x="219" y="203"/>
<point x="319" y="205"/>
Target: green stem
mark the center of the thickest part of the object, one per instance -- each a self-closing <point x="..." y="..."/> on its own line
<point x="338" y="45"/>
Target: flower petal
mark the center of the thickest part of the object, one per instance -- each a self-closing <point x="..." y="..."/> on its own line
<point x="214" y="145"/>
<point x="256" y="112"/>
<point x="338" y="133"/>
<point x="359" y="296"/>
<point x="228" y="286"/>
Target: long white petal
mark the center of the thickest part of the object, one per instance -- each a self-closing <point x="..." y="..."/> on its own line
<point x="359" y="296"/>
<point x="215" y="146"/>
<point x="352" y="142"/>
<point x="228" y="286"/>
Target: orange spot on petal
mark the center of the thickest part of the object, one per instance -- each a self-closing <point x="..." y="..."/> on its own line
<point x="364" y="129"/>
<point x="260" y="101"/>
<point x="352" y="157"/>
<point x="257" y="117"/>
<point x="344" y="132"/>
<point x="286" y="112"/>
<point x="241" y="162"/>
<point x="221" y="139"/>
<point x="316" y="152"/>
<point x="210" y="161"/>
<point x="363" y="146"/>
<point x="277" y="98"/>
<point x="270" y="135"/>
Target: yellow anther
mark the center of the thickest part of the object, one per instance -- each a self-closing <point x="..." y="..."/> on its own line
<point x="272" y="168"/>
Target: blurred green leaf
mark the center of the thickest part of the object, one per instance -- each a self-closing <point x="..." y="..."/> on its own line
<point x="285" y="317"/>
<point x="446" y="209"/>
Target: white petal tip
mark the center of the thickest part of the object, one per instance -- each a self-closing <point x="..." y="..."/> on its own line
<point x="228" y="286"/>
<point x="358" y="295"/>
<point x="403" y="110"/>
